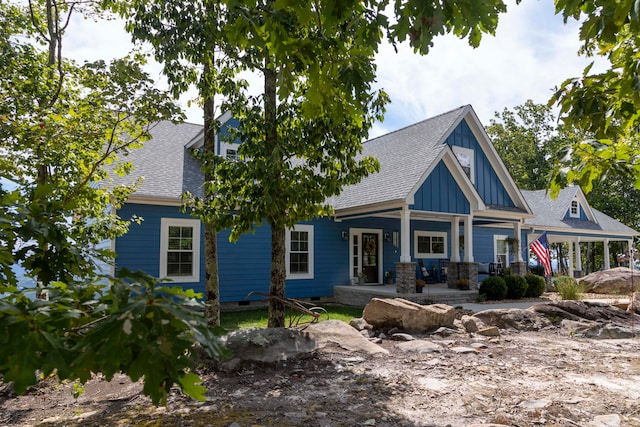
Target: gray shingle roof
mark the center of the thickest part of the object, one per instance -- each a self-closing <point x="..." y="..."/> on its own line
<point x="550" y="214"/>
<point x="404" y="156"/>
<point x="163" y="160"/>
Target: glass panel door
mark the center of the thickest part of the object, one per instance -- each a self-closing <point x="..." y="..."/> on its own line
<point x="370" y="252"/>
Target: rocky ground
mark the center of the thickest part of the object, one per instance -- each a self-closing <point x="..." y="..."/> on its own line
<point x="549" y="377"/>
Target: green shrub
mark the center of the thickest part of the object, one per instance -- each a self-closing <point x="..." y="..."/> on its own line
<point x="536" y="285"/>
<point x="493" y="288"/>
<point x="516" y="286"/>
<point x="538" y="270"/>
<point x="568" y="287"/>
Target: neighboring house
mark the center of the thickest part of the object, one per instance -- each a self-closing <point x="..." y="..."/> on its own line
<point x="570" y="219"/>
<point x="442" y="193"/>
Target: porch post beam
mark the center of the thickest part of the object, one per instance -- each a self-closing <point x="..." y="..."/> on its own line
<point x="405" y="235"/>
<point x="607" y="255"/>
<point x="578" y="256"/>
<point x="570" y="259"/>
<point x="468" y="239"/>
<point x="455" y="239"/>
<point x="517" y="231"/>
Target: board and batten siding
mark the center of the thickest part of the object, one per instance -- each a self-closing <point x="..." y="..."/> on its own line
<point x="583" y="214"/>
<point x="487" y="182"/>
<point x="440" y="193"/>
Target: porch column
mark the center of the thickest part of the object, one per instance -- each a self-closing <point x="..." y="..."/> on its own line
<point x="570" y="259"/>
<point x="517" y="231"/>
<point x="607" y="255"/>
<point x="405" y="235"/>
<point x="455" y="239"/>
<point x="518" y="266"/>
<point x="578" y="260"/>
<point x="468" y="239"/>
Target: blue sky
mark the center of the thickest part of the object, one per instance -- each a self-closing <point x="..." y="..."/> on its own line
<point x="532" y="52"/>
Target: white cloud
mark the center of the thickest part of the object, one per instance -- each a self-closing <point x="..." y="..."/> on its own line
<point x="532" y="52"/>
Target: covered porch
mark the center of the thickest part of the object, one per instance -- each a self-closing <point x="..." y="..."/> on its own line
<point x="403" y="238"/>
<point x="437" y="293"/>
<point x="573" y="259"/>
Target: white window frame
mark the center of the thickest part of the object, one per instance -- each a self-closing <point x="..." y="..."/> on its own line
<point x="360" y="255"/>
<point x="469" y="153"/>
<point x="165" y="223"/>
<point x="300" y="276"/>
<point x="232" y="154"/>
<point x="421" y="233"/>
<point x="574" y="203"/>
<point x="496" y="239"/>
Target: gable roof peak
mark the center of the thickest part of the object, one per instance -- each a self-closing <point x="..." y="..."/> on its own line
<point x="460" y="111"/>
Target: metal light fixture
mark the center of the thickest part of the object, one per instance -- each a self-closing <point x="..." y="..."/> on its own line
<point x="344" y="235"/>
<point x="387" y="237"/>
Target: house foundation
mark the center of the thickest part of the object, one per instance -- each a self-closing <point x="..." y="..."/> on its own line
<point x="462" y="270"/>
<point x="405" y="277"/>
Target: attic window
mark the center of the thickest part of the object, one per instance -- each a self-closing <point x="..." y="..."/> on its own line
<point x="465" y="157"/>
<point x="575" y="209"/>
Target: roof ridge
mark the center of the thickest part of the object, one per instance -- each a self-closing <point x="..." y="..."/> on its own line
<point x="417" y="123"/>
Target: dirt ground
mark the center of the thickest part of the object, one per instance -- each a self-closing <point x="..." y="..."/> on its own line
<point x="544" y="378"/>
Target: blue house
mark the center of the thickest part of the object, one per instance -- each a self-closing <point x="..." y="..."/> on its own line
<point x="442" y="198"/>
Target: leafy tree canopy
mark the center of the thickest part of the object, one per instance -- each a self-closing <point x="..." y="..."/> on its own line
<point x="604" y="106"/>
<point x="62" y="127"/>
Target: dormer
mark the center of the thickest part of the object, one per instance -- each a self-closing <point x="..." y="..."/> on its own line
<point x="578" y="208"/>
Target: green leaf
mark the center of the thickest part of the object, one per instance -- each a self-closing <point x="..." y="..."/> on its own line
<point x="190" y="384"/>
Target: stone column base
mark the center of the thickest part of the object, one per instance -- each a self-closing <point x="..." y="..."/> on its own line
<point x="462" y="270"/>
<point x="518" y="268"/>
<point x="405" y="277"/>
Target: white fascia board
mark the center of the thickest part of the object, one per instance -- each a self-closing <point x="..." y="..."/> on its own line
<point x="198" y="140"/>
<point x="582" y="199"/>
<point x="150" y="200"/>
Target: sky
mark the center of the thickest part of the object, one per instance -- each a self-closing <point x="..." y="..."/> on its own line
<point x="532" y="52"/>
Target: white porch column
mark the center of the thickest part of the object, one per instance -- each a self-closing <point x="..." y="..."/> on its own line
<point x="405" y="235"/>
<point x="517" y="231"/>
<point x="570" y="259"/>
<point x="607" y="255"/>
<point x="455" y="239"/>
<point x="468" y="239"/>
<point x="578" y="256"/>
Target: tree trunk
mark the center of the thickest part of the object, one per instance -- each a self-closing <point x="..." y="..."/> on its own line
<point x="278" y="253"/>
<point x="278" y="272"/>
<point x="212" y="283"/>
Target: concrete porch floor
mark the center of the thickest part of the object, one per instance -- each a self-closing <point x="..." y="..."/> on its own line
<point x="431" y="294"/>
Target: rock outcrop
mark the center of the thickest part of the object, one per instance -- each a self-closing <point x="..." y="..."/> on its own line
<point x="578" y="318"/>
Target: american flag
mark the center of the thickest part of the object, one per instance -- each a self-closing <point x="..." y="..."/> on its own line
<point x="541" y="248"/>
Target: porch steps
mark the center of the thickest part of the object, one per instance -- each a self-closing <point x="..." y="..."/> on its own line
<point x="432" y="294"/>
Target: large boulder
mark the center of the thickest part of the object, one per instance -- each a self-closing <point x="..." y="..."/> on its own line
<point x="273" y="345"/>
<point x="335" y="335"/>
<point x="409" y="316"/>
<point x="619" y="280"/>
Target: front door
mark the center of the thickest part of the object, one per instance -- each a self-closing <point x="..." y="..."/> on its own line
<point x="370" y="248"/>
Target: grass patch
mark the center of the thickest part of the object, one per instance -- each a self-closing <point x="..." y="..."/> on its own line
<point x="259" y="317"/>
<point x="568" y="288"/>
